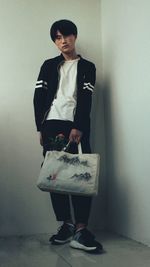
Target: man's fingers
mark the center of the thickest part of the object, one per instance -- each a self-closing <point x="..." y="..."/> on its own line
<point x="78" y="138"/>
<point x="75" y="138"/>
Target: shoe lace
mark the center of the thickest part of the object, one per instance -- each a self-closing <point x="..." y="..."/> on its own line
<point x="61" y="228"/>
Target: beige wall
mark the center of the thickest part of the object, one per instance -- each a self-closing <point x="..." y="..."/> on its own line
<point x="25" y="44"/>
<point x="126" y="62"/>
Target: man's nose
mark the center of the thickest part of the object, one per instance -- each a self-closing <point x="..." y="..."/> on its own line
<point x="63" y="39"/>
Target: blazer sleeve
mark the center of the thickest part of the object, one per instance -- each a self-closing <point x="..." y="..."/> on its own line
<point x="84" y="101"/>
<point x="40" y="95"/>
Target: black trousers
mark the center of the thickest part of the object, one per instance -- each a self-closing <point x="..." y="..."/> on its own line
<point x="61" y="202"/>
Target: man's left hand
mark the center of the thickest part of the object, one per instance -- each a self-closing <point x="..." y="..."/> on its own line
<point x="75" y="136"/>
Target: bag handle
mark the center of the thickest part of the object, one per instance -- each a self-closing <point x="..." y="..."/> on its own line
<point x="66" y="147"/>
<point x="79" y="148"/>
<point x="68" y="144"/>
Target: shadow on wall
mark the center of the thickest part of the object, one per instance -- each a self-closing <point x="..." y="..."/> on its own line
<point x="108" y="124"/>
<point x="98" y="146"/>
<point x="117" y="190"/>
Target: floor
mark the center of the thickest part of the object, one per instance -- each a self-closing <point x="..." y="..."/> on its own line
<point x="35" y="251"/>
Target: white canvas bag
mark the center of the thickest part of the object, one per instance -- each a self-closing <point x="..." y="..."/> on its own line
<point x="63" y="172"/>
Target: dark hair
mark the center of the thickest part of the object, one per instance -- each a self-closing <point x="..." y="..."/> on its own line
<point x="65" y="27"/>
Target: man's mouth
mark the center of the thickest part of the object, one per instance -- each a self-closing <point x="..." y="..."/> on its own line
<point x="65" y="46"/>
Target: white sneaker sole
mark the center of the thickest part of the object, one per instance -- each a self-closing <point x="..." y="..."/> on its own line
<point x="75" y="244"/>
<point x="63" y="241"/>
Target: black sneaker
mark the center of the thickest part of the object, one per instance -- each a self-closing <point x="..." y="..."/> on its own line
<point x="64" y="234"/>
<point x="83" y="239"/>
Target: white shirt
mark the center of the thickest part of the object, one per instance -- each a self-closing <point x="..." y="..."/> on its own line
<point x="63" y="106"/>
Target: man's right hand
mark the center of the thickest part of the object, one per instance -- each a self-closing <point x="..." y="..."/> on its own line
<point x="41" y="139"/>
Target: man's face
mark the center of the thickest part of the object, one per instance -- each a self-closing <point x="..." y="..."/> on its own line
<point x="66" y="44"/>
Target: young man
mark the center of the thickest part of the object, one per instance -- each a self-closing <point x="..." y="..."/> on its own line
<point x="62" y="104"/>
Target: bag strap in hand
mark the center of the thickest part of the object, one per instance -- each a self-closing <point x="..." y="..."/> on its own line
<point x="79" y="148"/>
<point x="67" y="147"/>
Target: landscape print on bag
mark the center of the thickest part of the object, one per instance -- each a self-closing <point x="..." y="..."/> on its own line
<point x="75" y="162"/>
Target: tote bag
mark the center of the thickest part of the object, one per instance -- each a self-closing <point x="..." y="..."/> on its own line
<point x="63" y="172"/>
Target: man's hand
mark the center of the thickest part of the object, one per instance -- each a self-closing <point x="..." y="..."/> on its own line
<point x="75" y="136"/>
<point x="41" y="139"/>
